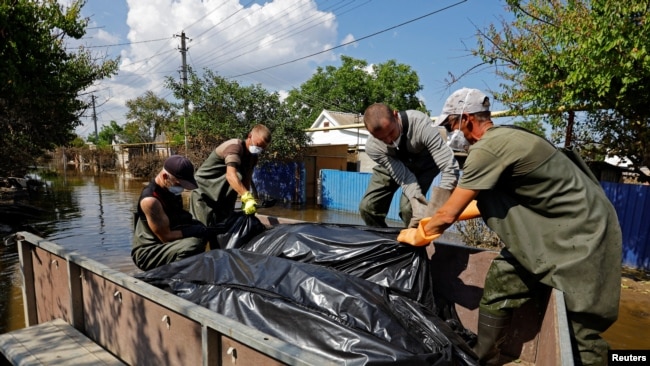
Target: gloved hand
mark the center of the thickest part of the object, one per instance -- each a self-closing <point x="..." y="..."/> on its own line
<point x="194" y="230"/>
<point x="438" y="198"/>
<point x="416" y="236"/>
<point x="249" y="205"/>
<point x="419" y="207"/>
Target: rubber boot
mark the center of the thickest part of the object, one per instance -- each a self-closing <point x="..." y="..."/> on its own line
<point x="491" y="333"/>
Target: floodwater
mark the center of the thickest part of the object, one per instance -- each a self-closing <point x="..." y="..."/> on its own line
<point x="92" y="214"/>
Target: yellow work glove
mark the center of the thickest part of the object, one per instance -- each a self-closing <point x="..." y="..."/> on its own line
<point x="247" y="196"/>
<point x="249" y="205"/>
<point x="416" y="236"/>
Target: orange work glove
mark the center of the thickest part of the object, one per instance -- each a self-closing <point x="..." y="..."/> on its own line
<point x="416" y="236"/>
<point x="470" y="212"/>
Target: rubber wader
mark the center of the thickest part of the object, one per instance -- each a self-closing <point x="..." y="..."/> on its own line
<point x="491" y="334"/>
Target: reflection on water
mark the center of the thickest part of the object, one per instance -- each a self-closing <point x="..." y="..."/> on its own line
<point x="92" y="215"/>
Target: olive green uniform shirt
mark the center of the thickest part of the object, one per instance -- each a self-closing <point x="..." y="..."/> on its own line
<point x="214" y="200"/>
<point x="556" y="221"/>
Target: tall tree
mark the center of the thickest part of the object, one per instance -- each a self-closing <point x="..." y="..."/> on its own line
<point x="223" y="109"/>
<point x="584" y="63"/>
<point x="107" y="134"/>
<point x="40" y="81"/>
<point x="148" y="116"/>
<point x="353" y="86"/>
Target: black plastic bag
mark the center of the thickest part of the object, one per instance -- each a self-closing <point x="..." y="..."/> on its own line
<point x="235" y="231"/>
<point x="314" y="307"/>
<point x="371" y="254"/>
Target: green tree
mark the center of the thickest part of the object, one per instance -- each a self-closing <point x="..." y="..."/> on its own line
<point x="40" y="81"/>
<point x="148" y="116"/>
<point x="353" y="86"/>
<point x="562" y="57"/>
<point x="223" y="109"/>
<point x="107" y="134"/>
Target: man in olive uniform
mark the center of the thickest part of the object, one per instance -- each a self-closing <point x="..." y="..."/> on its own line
<point x="559" y="228"/>
<point x="226" y="174"/>
<point x="164" y="232"/>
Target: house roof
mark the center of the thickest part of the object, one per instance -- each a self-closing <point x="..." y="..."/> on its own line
<point x="337" y="119"/>
<point x="327" y="129"/>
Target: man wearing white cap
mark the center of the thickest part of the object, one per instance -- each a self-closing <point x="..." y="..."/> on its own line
<point x="559" y="228"/>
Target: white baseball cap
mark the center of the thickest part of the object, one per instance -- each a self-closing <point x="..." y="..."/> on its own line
<point x="463" y="100"/>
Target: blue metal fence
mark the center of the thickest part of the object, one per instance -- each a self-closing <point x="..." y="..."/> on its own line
<point x="280" y="181"/>
<point x="632" y="203"/>
<point x="342" y="191"/>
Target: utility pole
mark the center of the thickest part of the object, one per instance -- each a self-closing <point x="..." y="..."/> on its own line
<point x="95" y="119"/>
<point x="183" y="51"/>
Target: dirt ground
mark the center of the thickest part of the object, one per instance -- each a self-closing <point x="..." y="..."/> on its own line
<point x="632" y="329"/>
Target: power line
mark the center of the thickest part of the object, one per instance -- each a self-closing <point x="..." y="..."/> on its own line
<point x="129" y="43"/>
<point x="348" y="43"/>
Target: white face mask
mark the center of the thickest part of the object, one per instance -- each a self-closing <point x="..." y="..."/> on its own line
<point x="177" y="190"/>
<point x="456" y="141"/>
<point x="395" y="144"/>
<point x="255" y="149"/>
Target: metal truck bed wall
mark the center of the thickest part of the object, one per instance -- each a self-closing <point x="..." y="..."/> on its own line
<point x="137" y="322"/>
<point x="142" y="324"/>
<point x="538" y="336"/>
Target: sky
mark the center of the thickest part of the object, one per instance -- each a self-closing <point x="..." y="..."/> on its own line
<point x="280" y="44"/>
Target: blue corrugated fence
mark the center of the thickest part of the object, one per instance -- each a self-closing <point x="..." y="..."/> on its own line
<point x="632" y="203"/>
<point x="342" y="191"/>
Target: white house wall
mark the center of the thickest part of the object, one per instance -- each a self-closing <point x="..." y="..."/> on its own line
<point x="338" y="137"/>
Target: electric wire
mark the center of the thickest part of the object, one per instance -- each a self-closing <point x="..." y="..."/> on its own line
<point x="348" y="43"/>
<point x="285" y="32"/>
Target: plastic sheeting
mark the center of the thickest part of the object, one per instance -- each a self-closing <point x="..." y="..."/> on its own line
<point x="346" y="292"/>
<point x="372" y="254"/>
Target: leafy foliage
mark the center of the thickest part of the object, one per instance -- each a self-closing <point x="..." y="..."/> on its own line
<point x="40" y="82"/>
<point x="223" y="109"/>
<point x="559" y="57"/>
<point x="148" y="116"/>
<point x="353" y="87"/>
<point x="107" y="135"/>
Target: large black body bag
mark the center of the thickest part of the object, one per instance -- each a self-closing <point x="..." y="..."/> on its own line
<point x="369" y="253"/>
<point x="351" y="293"/>
<point x="314" y="307"/>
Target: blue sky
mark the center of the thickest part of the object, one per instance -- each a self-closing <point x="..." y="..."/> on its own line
<point x="237" y="38"/>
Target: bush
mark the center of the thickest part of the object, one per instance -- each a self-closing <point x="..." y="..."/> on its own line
<point x="146" y="166"/>
<point x="475" y="233"/>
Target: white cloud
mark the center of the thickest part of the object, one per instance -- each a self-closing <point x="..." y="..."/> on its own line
<point x="224" y="37"/>
<point x="349" y="38"/>
<point x="106" y="37"/>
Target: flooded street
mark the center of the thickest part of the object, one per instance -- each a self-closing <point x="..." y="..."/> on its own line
<point x="92" y="214"/>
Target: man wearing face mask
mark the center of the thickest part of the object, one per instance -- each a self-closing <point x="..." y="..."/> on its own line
<point x="559" y="228"/>
<point x="409" y="153"/>
<point x="226" y="174"/>
<point x="164" y="232"/>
